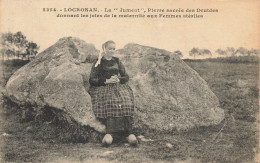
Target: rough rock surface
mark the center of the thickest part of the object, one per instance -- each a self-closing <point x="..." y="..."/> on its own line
<point x="55" y="79"/>
<point x="168" y="93"/>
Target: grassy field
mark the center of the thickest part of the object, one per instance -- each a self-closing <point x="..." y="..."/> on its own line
<point x="233" y="140"/>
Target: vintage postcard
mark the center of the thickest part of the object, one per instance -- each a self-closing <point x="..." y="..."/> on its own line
<point x="129" y="80"/>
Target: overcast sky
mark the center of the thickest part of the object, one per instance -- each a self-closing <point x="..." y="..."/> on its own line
<point x="236" y="24"/>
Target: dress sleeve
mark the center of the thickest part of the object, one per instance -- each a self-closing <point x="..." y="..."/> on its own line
<point x="95" y="79"/>
<point x="124" y="77"/>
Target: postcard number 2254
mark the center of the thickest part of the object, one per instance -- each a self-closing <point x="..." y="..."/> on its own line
<point x="49" y="9"/>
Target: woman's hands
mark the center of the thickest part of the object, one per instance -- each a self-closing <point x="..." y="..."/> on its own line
<point x="113" y="79"/>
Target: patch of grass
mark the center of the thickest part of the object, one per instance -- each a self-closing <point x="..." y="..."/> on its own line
<point x="231" y="59"/>
<point x="225" y="80"/>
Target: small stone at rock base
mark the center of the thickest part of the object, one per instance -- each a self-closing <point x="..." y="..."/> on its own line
<point x="5" y="134"/>
<point x="29" y="129"/>
<point x="127" y="145"/>
<point x="169" y="145"/>
<point x="146" y="140"/>
<point x="140" y="136"/>
<point x="107" y="153"/>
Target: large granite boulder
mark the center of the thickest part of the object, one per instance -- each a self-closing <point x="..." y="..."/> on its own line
<point x="56" y="79"/>
<point x="168" y="93"/>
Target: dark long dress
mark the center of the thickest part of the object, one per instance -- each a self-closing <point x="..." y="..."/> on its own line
<point x="113" y="104"/>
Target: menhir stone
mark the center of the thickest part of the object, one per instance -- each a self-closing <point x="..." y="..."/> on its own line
<point x="168" y="93"/>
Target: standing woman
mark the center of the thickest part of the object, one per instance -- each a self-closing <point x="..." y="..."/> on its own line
<point x="112" y="99"/>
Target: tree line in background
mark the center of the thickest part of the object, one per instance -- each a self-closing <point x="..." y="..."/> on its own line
<point x="228" y="52"/>
<point x="16" y="46"/>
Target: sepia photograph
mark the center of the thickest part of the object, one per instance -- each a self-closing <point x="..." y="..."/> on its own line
<point x="131" y="81"/>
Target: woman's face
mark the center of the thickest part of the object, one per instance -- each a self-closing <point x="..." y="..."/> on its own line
<point x="110" y="49"/>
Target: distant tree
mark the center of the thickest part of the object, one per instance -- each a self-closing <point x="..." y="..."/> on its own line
<point x="205" y="52"/>
<point x="6" y="42"/>
<point x="31" y="49"/>
<point x="230" y="51"/>
<point x="179" y="53"/>
<point x="199" y="52"/>
<point x="17" y="45"/>
<point x="254" y="52"/>
<point x="20" y="43"/>
<point x="194" y="51"/>
<point x="221" y="52"/>
<point x="243" y="51"/>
